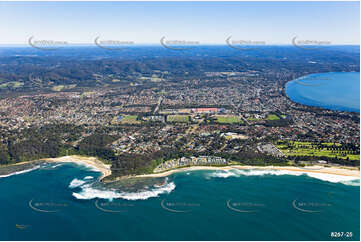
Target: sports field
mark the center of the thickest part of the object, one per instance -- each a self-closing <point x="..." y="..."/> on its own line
<point x="130" y="119"/>
<point x="272" y="117"/>
<point x="229" y="119"/>
<point x="178" y="118"/>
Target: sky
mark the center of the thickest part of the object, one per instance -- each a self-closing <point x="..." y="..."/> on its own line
<point x="204" y="22"/>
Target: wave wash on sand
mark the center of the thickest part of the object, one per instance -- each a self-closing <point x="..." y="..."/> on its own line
<point x="333" y="173"/>
<point x="90" y="162"/>
<point x="88" y="191"/>
<point x="20" y="172"/>
<point x="313" y="171"/>
<point x="347" y="180"/>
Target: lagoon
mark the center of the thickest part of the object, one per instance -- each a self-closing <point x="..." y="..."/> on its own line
<point x="334" y="90"/>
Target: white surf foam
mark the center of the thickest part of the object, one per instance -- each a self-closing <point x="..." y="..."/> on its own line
<point x="222" y="174"/>
<point x="256" y="172"/>
<point x="57" y="165"/>
<point x="88" y="178"/>
<point x="76" y="183"/>
<point x="347" y="180"/>
<point x="88" y="166"/>
<point x="83" y="164"/>
<point x="355" y="182"/>
<point x="332" y="178"/>
<point x="20" y="172"/>
<point x="89" y="192"/>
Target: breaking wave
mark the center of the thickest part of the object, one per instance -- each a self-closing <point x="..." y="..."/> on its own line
<point x="355" y="182"/>
<point x="89" y="192"/>
<point x="76" y="183"/>
<point x="88" y="167"/>
<point x="347" y="180"/>
<point x="20" y="172"/>
<point x="238" y="173"/>
<point x="333" y="178"/>
<point x="88" y="178"/>
<point x="57" y="165"/>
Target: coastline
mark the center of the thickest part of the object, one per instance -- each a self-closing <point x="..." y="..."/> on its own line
<point x="333" y="170"/>
<point x="85" y="161"/>
<point x="351" y="172"/>
<point x="77" y="159"/>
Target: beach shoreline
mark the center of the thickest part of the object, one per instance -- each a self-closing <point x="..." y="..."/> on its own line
<point x="85" y="161"/>
<point x="105" y="170"/>
<point x="93" y="162"/>
<point x="333" y="170"/>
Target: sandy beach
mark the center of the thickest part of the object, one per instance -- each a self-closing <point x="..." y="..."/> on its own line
<point x="86" y="161"/>
<point x="106" y="171"/>
<point x="81" y="160"/>
<point x="333" y="170"/>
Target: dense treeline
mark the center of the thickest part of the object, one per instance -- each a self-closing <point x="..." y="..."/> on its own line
<point x="97" y="145"/>
<point x="37" y="143"/>
<point x="127" y="164"/>
<point x="65" y="139"/>
<point x="257" y="159"/>
<point x="345" y="162"/>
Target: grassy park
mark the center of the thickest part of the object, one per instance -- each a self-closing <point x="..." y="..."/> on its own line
<point x="178" y="118"/>
<point x="332" y="150"/>
<point x="229" y="119"/>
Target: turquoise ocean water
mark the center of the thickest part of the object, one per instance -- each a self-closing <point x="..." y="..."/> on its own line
<point x="333" y="90"/>
<point x="62" y="203"/>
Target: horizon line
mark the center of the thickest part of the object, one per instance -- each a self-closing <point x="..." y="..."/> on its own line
<point x="193" y="45"/>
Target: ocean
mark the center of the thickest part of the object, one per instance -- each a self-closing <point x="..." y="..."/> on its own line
<point x="334" y="90"/>
<point x="65" y="202"/>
